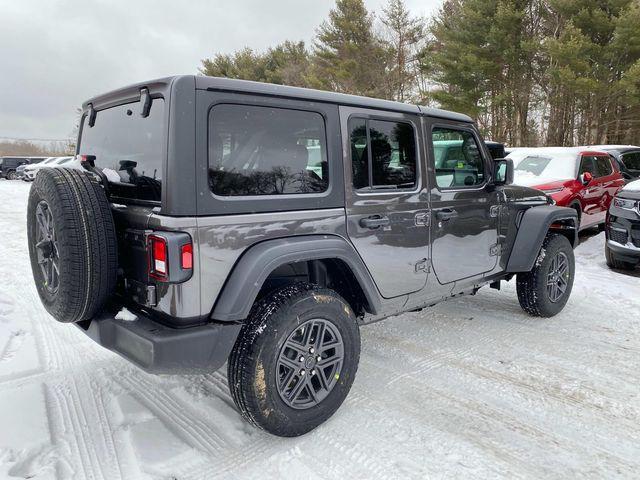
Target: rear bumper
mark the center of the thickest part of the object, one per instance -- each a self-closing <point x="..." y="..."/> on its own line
<point x="159" y="349"/>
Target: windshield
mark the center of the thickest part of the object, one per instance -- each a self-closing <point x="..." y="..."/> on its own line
<point x="128" y="148"/>
<point x="545" y="167"/>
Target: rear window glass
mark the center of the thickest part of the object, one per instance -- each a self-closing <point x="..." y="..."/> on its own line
<point x="266" y="151"/>
<point x="128" y="148"/>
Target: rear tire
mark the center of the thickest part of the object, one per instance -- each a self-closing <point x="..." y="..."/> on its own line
<point x="72" y="243"/>
<point x="11" y="175"/>
<point x="266" y="364"/>
<point x="614" y="262"/>
<point x="544" y="291"/>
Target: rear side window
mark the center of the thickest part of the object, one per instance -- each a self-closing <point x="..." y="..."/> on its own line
<point x="128" y="148"/>
<point x="266" y="151"/>
<point x="458" y="159"/>
<point x="383" y="154"/>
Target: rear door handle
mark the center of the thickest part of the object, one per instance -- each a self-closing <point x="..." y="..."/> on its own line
<point x="375" y="221"/>
<point x="446" y="214"/>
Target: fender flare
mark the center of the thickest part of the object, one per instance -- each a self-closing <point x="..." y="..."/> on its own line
<point x="254" y="266"/>
<point x="533" y="228"/>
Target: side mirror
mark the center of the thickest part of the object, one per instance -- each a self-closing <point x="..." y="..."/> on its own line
<point x="586" y="178"/>
<point x="502" y="171"/>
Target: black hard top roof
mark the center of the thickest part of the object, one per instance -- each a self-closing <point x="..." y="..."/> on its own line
<point x="259" y="88"/>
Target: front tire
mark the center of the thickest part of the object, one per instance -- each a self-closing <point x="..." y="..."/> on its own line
<point x="544" y="291"/>
<point x="295" y="359"/>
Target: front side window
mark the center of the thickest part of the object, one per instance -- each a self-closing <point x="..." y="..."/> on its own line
<point x="458" y="158"/>
<point x="128" y="148"/>
<point x="266" y="151"/>
<point x="603" y="166"/>
<point x="588" y="165"/>
<point x="383" y="154"/>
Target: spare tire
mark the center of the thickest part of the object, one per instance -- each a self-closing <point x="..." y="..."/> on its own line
<point x="72" y="243"/>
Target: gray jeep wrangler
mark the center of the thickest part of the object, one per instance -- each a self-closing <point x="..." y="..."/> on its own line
<point x="220" y="220"/>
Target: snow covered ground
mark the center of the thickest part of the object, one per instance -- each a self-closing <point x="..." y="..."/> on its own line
<point x="472" y="388"/>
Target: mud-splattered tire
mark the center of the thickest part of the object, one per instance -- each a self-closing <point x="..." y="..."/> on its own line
<point x="536" y="292"/>
<point x="258" y="369"/>
<point x="614" y="262"/>
<point x="78" y="235"/>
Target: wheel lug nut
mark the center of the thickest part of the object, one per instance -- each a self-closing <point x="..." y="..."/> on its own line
<point x="311" y="350"/>
<point x="301" y="358"/>
<point x="318" y="358"/>
<point x="313" y="372"/>
<point x="303" y="372"/>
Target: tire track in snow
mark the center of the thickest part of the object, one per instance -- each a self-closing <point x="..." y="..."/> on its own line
<point x="13" y="345"/>
<point x="193" y="428"/>
<point x="77" y="416"/>
<point x="443" y="356"/>
<point x="176" y="416"/>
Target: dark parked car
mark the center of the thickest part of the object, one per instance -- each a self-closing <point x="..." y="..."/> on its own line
<point x="9" y="165"/>
<point x="627" y="158"/>
<point x="622" y="249"/>
<point x="261" y="225"/>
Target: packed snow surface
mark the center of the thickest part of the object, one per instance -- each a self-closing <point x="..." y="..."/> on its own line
<point x="472" y="388"/>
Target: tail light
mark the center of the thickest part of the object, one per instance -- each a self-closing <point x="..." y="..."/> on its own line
<point x="158" y="265"/>
<point x="170" y="256"/>
<point x="186" y="256"/>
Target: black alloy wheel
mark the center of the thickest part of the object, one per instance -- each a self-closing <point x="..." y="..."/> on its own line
<point x="46" y="246"/>
<point x="558" y="277"/>
<point x="309" y="364"/>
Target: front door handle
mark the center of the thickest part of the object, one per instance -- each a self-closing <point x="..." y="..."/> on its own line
<point x="446" y="214"/>
<point x="375" y="221"/>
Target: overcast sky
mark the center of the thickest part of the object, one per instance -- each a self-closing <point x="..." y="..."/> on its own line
<point x="56" y="53"/>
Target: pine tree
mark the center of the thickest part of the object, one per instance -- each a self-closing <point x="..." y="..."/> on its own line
<point x="347" y="56"/>
<point x="483" y="60"/>
<point x="285" y="64"/>
<point x="403" y="35"/>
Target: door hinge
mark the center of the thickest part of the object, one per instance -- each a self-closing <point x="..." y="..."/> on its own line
<point x="423" y="219"/>
<point x="422" y="266"/>
<point x="495" y="249"/>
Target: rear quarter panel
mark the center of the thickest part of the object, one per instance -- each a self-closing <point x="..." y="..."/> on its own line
<point x="223" y="239"/>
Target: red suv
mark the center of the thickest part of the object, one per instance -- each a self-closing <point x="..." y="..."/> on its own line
<point x="579" y="178"/>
